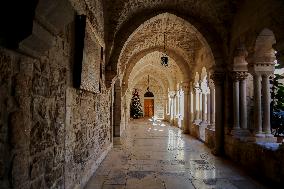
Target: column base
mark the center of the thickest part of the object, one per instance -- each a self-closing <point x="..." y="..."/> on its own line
<point x="240" y="132"/>
<point x="243" y="135"/>
<point x="262" y="137"/>
<point x="267" y="135"/>
<point x="270" y="139"/>
<point x="259" y="135"/>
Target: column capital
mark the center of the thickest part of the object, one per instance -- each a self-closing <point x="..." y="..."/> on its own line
<point x="172" y="94"/>
<point x="262" y="64"/>
<point x="240" y="75"/>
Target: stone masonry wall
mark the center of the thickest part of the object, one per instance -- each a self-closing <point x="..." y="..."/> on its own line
<point x="51" y="135"/>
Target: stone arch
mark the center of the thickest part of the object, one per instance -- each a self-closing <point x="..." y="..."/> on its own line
<point x="146" y="68"/>
<point x="183" y="66"/>
<point x="264" y="43"/>
<point x="139" y="77"/>
<point x="211" y="37"/>
<point x="129" y="72"/>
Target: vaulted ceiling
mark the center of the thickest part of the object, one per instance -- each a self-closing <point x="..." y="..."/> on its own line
<point x="216" y="12"/>
<point x="164" y="29"/>
<point x="150" y="65"/>
<point x="212" y="18"/>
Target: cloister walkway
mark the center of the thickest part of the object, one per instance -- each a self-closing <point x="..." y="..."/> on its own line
<point x="154" y="155"/>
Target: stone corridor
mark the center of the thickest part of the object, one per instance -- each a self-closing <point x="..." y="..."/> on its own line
<point x="154" y="155"/>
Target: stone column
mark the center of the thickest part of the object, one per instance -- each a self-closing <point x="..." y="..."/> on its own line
<point x="173" y="110"/>
<point x="208" y="107"/>
<point x="218" y="78"/>
<point x="239" y="74"/>
<point x="212" y="107"/>
<point x="257" y="105"/>
<point x="243" y="102"/>
<point x="197" y="103"/>
<point x="166" y="108"/>
<point x="172" y="106"/>
<point x="186" y="107"/>
<point x="191" y="104"/>
<point x="266" y="104"/>
<point x="200" y="105"/>
<point x="194" y="100"/>
<point x="203" y="108"/>
<point x="262" y="67"/>
<point x="236" y="102"/>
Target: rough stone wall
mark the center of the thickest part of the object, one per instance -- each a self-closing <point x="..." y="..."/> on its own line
<point x="52" y="135"/>
<point x="35" y="127"/>
<point x="88" y="134"/>
<point x="16" y="75"/>
<point x="265" y="162"/>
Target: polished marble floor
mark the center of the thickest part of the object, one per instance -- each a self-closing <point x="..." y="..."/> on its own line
<point x="154" y="155"/>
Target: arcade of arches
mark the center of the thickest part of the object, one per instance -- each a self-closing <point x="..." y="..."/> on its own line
<point x="65" y="94"/>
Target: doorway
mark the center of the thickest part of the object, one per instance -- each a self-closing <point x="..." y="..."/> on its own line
<point x="148" y="107"/>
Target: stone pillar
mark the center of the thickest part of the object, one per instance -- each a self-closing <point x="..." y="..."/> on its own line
<point x="186" y="107"/>
<point x="200" y="105"/>
<point x="191" y="103"/>
<point x="194" y="102"/>
<point x="203" y="108"/>
<point x="240" y="104"/>
<point x="236" y="103"/>
<point x="243" y="103"/>
<point x="262" y="67"/>
<point x="173" y="110"/>
<point x="172" y="95"/>
<point x="166" y="108"/>
<point x="212" y="107"/>
<point x="218" y="78"/>
<point x="117" y="110"/>
<point x="266" y="105"/>
<point x="197" y="105"/>
<point x="257" y="105"/>
<point x="208" y="107"/>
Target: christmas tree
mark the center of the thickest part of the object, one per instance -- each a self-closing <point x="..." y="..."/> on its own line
<point x="135" y="106"/>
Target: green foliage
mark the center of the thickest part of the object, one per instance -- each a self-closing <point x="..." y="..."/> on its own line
<point x="277" y="94"/>
<point x="277" y="105"/>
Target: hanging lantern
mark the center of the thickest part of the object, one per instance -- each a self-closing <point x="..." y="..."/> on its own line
<point x="165" y="58"/>
<point x="148" y="92"/>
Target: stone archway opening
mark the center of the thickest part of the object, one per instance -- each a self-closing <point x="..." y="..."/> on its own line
<point x="188" y="53"/>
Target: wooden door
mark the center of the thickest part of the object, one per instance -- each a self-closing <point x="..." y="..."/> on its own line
<point x="148" y="107"/>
